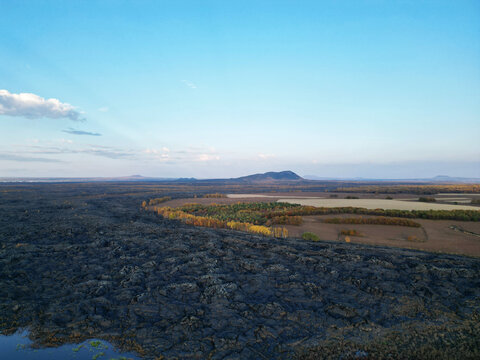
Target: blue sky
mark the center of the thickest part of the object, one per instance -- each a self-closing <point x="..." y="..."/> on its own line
<point x="387" y="89"/>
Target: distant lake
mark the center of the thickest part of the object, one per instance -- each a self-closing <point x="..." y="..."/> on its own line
<point x="19" y="346"/>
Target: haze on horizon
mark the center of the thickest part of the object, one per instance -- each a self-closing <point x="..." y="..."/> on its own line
<point x="375" y="89"/>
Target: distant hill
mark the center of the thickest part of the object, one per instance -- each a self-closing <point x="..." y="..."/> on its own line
<point x="436" y="179"/>
<point x="267" y="177"/>
<point x="271" y="176"/>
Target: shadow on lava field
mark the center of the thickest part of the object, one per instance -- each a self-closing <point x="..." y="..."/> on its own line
<point x="79" y="266"/>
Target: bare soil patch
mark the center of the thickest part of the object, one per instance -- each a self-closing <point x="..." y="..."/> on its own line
<point x="434" y="235"/>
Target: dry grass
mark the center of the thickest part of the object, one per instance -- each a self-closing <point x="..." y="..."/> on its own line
<point x="376" y="204"/>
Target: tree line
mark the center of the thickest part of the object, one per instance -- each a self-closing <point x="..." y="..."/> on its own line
<point x="206" y="221"/>
<point x="462" y="215"/>
<point x="380" y="220"/>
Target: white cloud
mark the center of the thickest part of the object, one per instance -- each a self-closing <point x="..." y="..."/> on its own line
<point x="33" y="106"/>
<point x="180" y="156"/>
<point x="157" y="154"/>
<point x="207" y="157"/>
<point x="266" y="156"/>
<point x="103" y="109"/>
<point x="190" y="84"/>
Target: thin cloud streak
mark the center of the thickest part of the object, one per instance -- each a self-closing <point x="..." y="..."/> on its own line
<point x="19" y="158"/>
<point x="190" y="84"/>
<point x="149" y="155"/>
<point x="81" y="132"/>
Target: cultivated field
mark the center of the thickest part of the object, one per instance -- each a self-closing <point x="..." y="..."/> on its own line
<point x="376" y="204"/>
<point x="433" y="235"/>
<point x="448" y="236"/>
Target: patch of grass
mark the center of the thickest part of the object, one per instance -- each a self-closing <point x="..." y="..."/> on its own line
<point x="77" y="349"/>
<point x="96" y="356"/>
<point x="310" y="236"/>
<point x="96" y="344"/>
<point x="21" y="347"/>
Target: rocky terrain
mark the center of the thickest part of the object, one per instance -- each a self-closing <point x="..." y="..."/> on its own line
<point x="79" y="263"/>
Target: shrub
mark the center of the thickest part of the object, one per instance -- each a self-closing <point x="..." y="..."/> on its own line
<point x="475" y="202"/>
<point x="286" y="220"/>
<point x="427" y="199"/>
<point x="310" y="236"/>
<point x="215" y="196"/>
<point x="379" y="220"/>
<point x="389" y="198"/>
<point x="159" y="200"/>
<point x="351" y="197"/>
<point x="350" y="233"/>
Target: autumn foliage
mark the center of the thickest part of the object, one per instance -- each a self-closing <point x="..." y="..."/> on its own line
<point x="350" y="233"/>
<point x="209" y="221"/>
<point x="159" y="200"/>
<point x="286" y="220"/>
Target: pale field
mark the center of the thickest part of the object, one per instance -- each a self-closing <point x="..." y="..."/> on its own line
<point x="243" y="196"/>
<point x="451" y="199"/>
<point x="376" y="204"/>
<point x="458" y="194"/>
<point x="459" y="199"/>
